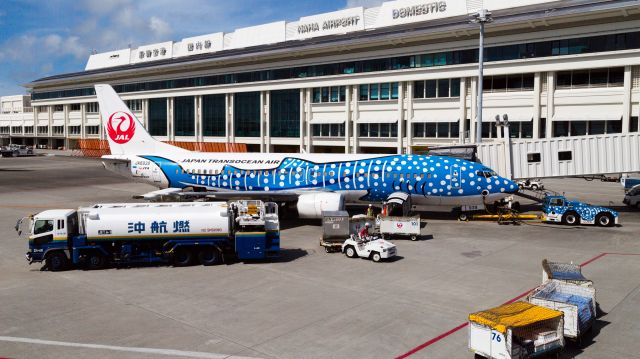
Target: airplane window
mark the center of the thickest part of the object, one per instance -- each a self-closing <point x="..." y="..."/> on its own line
<point x="401" y="175"/>
<point x="331" y="173"/>
<point x="415" y="175"/>
<point x="428" y="175"/>
<point x="395" y="175"/>
<point x="266" y="173"/>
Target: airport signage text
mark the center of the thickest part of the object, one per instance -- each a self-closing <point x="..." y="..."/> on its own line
<point x="419" y="10"/>
<point x="331" y="24"/>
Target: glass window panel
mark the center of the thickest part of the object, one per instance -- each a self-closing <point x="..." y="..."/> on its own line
<point x="578" y="128"/>
<point x="316" y="130"/>
<point x="596" y="127"/>
<point x="431" y="129"/>
<point x="184" y="116"/>
<point x="246" y="114"/>
<point x="443" y="129"/>
<point x="616" y="76"/>
<point x="543" y="128"/>
<point x="426" y="60"/>
<point x="499" y="83"/>
<point x="394" y="129"/>
<point x="363" y="130"/>
<point x="335" y="94"/>
<point x="374" y="130"/>
<point x="455" y="87"/>
<point x="418" y="89"/>
<point x="486" y="129"/>
<point x="341" y="129"/>
<point x="384" y="130"/>
<point x="418" y="130"/>
<point x="440" y="59"/>
<point x="633" y="124"/>
<point x="384" y="91"/>
<point x="326" y="130"/>
<point x="487" y="83"/>
<point x="578" y="46"/>
<point x="343" y="95"/>
<point x="580" y="78"/>
<point x="430" y="86"/>
<point x="514" y="130"/>
<point x="527" y="82"/>
<point x="158" y="116"/>
<point x="364" y="92"/>
<point x="514" y="82"/>
<point x="284" y="113"/>
<point x="373" y="92"/>
<point x="614" y="126"/>
<point x="325" y="94"/>
<point x="598" y="77"/>
<point x="316" y="95"/>
<point x="213" y="115"/>
<point x="560" y="128"/>
<point x="526" y="129"/>
<point x="394" y="90"/>
<point x="443" y="88"/>
<point x="563" y="79"/>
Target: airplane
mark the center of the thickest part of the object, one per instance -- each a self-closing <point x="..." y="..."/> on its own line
<point x="313" y="182"/>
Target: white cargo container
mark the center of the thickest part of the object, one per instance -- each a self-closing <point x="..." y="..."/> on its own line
<point x="391" y="227"/>
<point x="578" y="303"/>
<point x="515" y="331"/>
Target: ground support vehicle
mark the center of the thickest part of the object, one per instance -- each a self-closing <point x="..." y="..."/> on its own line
<point x="335" y="228"/>
<point x="632" y="198"/>
<point x="577" y="303"/>
<point x="178" y="233"/>
<point x="565" y="272"/>
<point x="531" y="184"/>
<point x="629" y="182"/>
<point x="16" y="150"/>
<point x="376" y="249"/>
<point x="392" y="227"/>
<point x="560" y="209"/>
<point x="516" y="330"/>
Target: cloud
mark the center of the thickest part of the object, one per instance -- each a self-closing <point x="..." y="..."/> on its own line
<point x="364" y="3"/>
<point x="159" y="27"/>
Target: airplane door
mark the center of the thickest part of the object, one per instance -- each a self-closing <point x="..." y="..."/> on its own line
<point x="155" y="174"/>
<point x="455" y="178"/>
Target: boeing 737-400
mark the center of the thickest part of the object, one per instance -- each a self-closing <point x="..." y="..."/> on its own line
<point x="314" y="182"/>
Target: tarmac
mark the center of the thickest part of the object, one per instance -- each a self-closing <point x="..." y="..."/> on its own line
<point x="307" y="304"/>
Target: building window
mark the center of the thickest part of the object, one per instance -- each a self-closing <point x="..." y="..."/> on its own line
<point x="57" y="130"/>
<point x="533" y="157"/>
<point x="378" y="130"/>
<point x="158" y="116"/>
<point x="329" y="94"/>
<point x="378" y="92"/>
<point x="543" y="128"/>
<point x="92" y="130"/>
<point x="564" y="155"/>
<point x="74" y="107"/>
<point x="436" y="88"/>
<point x="74" y="130"/>
<point x="184" y="116"/>
<point x="92" y="107"/>
<point x="134" y="105"/>
<point x="436" y="130"/>
<point x="246" y="114"/>
<point x="284" y="112"/>
<point x="581" y="128"/>
<point x="511" y="83"/>
<point x="43" y="130"/>
<point x="18" y="129"/>
<point x="328" y="130"/>
<point x="5" y="130"/>
<point x="608" y="77"/>
<point x="489" y="130"/>
<point x="633" y="124"/>
<point x="214" y="119"/>
<point x="58" y="108"/>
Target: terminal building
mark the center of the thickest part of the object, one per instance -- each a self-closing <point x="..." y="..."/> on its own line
<point x="389" y="79"/>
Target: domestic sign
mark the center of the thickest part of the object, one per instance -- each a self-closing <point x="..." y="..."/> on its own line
<point x="337" y="22"/>
<point x="410" y="11"/>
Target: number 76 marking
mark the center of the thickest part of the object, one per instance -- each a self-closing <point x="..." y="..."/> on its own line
<point x="496" y="336"/>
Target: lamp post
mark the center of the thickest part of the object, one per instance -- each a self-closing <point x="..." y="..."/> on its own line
<point x="481" y="17"/>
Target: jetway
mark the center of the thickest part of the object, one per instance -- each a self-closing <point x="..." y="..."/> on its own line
<point x="563" y="156"/>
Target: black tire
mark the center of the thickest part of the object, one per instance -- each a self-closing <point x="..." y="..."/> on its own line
<point x="327" y="249"/>
<point x="414" y="237"/>
<point x="14" y="154"/>
<point x="56" y="261"/>
<point x="570" y="218"/>
<point x="350" y="252"/>
<point x="605" y="220"/>
<point x="534" y="187"/>
<point x="463" y="216"/>
<point x="182" y="257"/>
<point x="376" y="257"/>
<point x="96" y="261"/>
<point x="208" y="256"/>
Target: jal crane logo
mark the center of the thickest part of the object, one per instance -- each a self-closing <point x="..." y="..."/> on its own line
<point x="121" y="127"/>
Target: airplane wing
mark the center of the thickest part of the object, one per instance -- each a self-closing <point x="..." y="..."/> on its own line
<point x="159" y="194"/>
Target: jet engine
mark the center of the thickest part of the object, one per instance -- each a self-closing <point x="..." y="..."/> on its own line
<point x="311" y="205"/>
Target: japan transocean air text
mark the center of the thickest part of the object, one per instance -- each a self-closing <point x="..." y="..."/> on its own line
<point x="320" y="181"/>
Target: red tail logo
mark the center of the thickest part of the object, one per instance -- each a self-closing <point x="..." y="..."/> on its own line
<point x="121" y="127"/>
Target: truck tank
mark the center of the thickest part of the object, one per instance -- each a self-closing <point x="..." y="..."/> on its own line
<point x="142" y="221"/>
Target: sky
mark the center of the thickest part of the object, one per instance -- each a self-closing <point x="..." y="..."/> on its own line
<point x="42" y="38"/>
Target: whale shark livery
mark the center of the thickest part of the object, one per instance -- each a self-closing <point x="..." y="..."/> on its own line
<point x="313" y="182"/>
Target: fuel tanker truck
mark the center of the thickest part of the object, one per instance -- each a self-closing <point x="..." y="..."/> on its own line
<point x="181" y="233"/>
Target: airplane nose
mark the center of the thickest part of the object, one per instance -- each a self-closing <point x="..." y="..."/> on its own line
<point x="511" y="186"/>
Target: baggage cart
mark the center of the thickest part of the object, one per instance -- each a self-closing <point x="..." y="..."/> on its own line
<point x="566" y="272"/>
<point x="391" y="227"/>
<point x="576" y="302"/>
<point x="335" y="228"/>
<point x="516" y="331"/>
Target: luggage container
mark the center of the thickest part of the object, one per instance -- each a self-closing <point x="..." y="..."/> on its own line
<point x="399" y="226"/>
<point x="565" y="272"/>
<point x="516" y="330"/>
<point x="335" y="228"/>
<point x="577" y="303"/>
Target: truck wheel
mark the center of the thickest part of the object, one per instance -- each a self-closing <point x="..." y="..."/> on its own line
<point x="327" y="249"/>
<point x="570" y="218"/>
<point x="182" y="257"/>
<point x="463" y="216"/>
<point x="350" y="252"/>
<point x="56" y="261"/>
<point x="376" y="257"/>
<point x="414" y="237"/>
<point x="96" y="261"/>
<point x="534" y="187"/>
<point x="14" y="154"/>
<point x="209" y="256"/>
<point x="604" y="220"/>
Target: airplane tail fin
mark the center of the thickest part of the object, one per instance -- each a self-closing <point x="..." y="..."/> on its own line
<point x="126" y="134"/>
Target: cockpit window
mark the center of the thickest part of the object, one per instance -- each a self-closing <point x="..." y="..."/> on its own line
<point x="557" y="202"/>
<point x="43" y="226"/>
<point x="486" y="173"/>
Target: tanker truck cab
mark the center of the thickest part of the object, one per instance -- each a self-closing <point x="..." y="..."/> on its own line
<point x="50" y="232"/>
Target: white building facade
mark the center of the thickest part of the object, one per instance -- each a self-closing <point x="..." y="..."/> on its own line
<point x="391" y="79"/>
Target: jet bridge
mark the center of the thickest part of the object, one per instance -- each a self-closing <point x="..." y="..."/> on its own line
<point x="563" y="156"/>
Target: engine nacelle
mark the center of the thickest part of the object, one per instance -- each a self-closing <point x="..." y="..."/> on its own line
<point x="311" y="205"/>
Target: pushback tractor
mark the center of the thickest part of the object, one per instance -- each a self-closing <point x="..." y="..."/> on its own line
<point x="180" y="233"/>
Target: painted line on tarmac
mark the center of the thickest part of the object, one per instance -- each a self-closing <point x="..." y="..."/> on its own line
<point x="464" y="325"/>
<point x="171" y="352"/>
